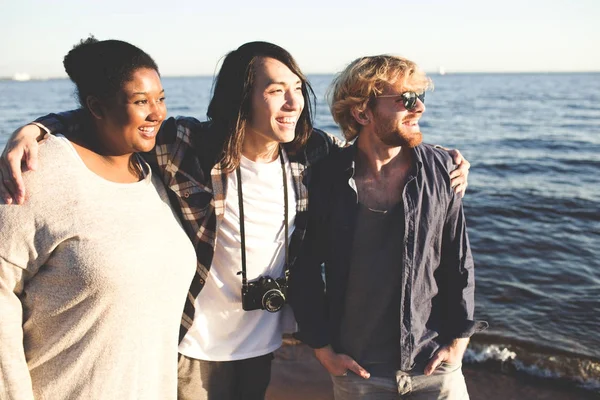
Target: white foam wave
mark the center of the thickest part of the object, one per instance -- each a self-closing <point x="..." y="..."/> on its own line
<point x="491" y="352"/>
<point x="549" y="368"/>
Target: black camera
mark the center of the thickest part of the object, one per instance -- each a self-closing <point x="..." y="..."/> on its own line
<point x="264" y="294"/>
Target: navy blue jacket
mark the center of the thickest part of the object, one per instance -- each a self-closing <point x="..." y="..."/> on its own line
<point x="437" y="299"/>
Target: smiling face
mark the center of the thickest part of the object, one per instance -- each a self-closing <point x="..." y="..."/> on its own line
<point x="132" y="118"/>
<point x="393" y="124"/>
<point x="276" y="103"/>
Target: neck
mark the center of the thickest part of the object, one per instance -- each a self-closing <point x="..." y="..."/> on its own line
<point x="93" y="146"/>
<point x="377" y="159"/>
<point x="259" y="149"/>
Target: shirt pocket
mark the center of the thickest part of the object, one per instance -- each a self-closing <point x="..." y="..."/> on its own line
<point x="193" y="197"/>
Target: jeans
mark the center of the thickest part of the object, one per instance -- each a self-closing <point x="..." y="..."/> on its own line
<point x="447" y="382"/>
<point x="223" y="380"/>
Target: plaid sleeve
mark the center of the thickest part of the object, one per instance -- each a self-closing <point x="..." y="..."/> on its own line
<point x="175" y="146"/>
<point x="63" y="122"/>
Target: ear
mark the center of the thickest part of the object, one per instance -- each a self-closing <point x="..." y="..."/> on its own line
<point x="362" y="117"/>
<point x="95" y="106"/>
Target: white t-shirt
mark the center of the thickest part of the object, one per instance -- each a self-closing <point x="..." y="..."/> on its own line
<point x="222" y="330"/>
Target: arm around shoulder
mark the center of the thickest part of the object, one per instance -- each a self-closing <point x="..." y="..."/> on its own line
<point x="20" y="153"/>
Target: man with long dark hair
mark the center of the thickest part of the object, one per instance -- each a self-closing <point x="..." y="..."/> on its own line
<point x="240" y="181"/>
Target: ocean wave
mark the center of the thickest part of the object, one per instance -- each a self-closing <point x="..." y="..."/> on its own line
<point x="548" y="144"/>
<point x="519" y="357"/>
<point x="518" y="207"/>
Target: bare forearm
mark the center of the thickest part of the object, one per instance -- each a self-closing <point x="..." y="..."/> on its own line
<point x="459" y="346"/>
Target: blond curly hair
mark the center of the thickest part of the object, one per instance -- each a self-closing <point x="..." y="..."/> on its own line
<point x="357" y="86"/>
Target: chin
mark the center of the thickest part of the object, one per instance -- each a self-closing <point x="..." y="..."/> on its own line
<point x="398" y="139"/>
<point x="145" y="147"/>
<point x="287" y="137"/>
<point x="414" y="140"/>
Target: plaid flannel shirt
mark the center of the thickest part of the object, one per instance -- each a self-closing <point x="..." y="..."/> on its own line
<point x="186" y="155"/>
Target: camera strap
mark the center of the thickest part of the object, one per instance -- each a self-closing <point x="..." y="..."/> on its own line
<point x="242" y="225"/>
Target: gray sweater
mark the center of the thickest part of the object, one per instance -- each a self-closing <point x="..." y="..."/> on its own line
<point x="93" y="279"/>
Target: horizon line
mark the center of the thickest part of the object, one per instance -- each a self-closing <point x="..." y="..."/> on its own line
<point x="433" y="73"/>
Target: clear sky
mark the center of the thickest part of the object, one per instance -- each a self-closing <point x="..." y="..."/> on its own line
<point x="190" y="37"/>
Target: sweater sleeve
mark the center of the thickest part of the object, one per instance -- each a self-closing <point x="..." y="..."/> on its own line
<point x="16" y="251"/>
<point x="15" y="381"/>
<point x="25" y="245"/>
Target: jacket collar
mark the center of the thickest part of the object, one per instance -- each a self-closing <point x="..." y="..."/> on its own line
<point x="347" y="158"/>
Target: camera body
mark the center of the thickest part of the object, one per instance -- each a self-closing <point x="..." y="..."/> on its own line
<point x="265" y="293"/>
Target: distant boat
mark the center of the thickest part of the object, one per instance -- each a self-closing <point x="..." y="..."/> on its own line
<point x="442" y="71"/>
<point x="21" y="76"/>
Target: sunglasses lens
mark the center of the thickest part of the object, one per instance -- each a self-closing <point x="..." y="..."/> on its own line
<point x="410" y="100"/>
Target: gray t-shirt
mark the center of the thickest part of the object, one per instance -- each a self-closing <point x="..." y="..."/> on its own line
<point x="370" y="330"/>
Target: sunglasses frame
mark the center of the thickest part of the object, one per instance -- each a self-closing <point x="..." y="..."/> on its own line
<point x="409" y="98"/>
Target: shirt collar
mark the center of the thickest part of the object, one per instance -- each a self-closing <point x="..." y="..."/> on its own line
<point x="348" y="158"/>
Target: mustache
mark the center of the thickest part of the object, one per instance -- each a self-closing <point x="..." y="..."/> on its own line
<point x="410" y="117"/>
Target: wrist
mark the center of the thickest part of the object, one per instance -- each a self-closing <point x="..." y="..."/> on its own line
<point x="459" y="346"/>
<point x="324" y="352"/>
<point x="40" y="133"/>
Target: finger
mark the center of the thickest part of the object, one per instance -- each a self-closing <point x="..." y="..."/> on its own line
<point x="18" y="187"/>
<point x="6" y="196"/>
<point x="457" y="173"/>
<point x="358" y="370"/>
<point x="31" y="157"/>
<point x="5" y="188"/>
<point x="461" y="189"/>
<point x="457" y="157"/>
<point x="12" y="191"/>
<point x="433" y="364"/>
<point x="14" y="178"/>
<point x="459" y="180"/>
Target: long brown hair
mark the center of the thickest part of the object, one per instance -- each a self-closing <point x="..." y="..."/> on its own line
<point x="230" y="108"/>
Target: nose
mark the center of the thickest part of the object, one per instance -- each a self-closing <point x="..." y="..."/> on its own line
<point x="419" y="106"/>
<point x="294" y="100"/>
<point x="158" y="110"/>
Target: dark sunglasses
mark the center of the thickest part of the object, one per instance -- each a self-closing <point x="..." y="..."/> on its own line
<point x="409" y="99"/>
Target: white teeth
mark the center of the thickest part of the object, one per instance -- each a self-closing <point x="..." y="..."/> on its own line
<point x="147" y="129"/>
<point x="287" y="120"/>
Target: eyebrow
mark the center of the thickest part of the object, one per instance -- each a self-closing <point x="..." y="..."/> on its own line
<point x="144" y="93"/>
<point x="283" y="83"/>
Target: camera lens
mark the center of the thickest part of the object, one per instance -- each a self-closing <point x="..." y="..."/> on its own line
<point x="273" y="300"/>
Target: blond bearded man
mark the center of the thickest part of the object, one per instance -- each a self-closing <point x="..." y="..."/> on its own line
<point x="395" y="312"/>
